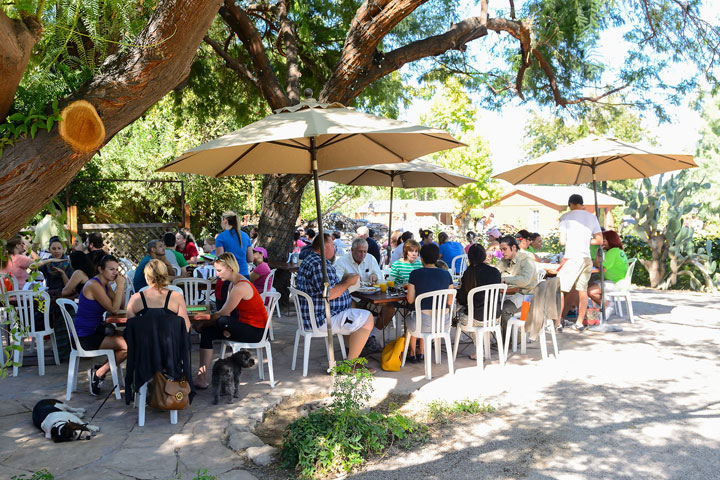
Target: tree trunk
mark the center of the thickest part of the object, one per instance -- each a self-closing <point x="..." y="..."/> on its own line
<point x="33" y="171"/>
<point x="281" y="197"/>
<point x="18" y="37"/>
<point x="656" y="266"/>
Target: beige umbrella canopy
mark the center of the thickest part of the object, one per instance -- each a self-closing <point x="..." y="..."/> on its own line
<point x="281" y="143"/>
<point x="594" y="158"/>
<point x="308" y="137"/>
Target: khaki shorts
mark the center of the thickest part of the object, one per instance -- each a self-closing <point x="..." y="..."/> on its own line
<point x="576" y="272"/>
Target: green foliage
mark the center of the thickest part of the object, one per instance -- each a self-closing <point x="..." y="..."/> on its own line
<point x="707" y="157"/>
<point x="19" y="125"/>
<point x="442" y="412"/>
<point x="43" y="474"/>
<point x="340" y="437"/>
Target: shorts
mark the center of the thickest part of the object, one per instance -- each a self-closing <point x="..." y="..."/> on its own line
<point x="348" y="321"/>
<point x="411" y="324"/>
<point x="92" y="341"/>
<point x="576" y="272"/>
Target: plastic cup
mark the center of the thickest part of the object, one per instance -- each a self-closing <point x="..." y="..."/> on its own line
<point x="391" y="283"/>
<point x="383" y="287"/>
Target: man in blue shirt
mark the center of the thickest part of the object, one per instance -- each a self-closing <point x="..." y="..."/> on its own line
<point x="155" y="250"/>
<point x="450" y="249"/>
<point x="354" y="322"/>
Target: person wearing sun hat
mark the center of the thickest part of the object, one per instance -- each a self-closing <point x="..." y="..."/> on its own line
<point x="493" y="234"/>
<point x="261" y="270"/>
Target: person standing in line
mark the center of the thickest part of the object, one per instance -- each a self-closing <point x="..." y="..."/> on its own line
<point x="578" y="230"/>
<point x="235" y="241"/>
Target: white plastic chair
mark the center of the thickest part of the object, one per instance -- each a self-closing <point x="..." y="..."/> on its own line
<point x="77" y="352"/>
<point x="516" y="326"/>
<point x="208" y="272"/>
<point x="195" y="290"/>
<point x="270" y="299"/>
<point x="494" y="295"/>
<point x="541" y="274"/>
<point x="623" y="292"/>
<point x="439" y="312"/>
<point x="129" y="287"/>
<point x="140" y="400"/>
<point x="30" y="286"/>
<point x="298" y="296"/>
<point x="458" y="265"/>
<point x="126" y="265"/>
<point x="25" y="309"/>
<point x="174" y="288"/>
<point x="268" y="287"/>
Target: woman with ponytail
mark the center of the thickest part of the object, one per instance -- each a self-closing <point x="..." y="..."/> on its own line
<point x="235" y="241"/>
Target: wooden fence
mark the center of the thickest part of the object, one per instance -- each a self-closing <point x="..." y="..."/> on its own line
<point x="127" y="240"/>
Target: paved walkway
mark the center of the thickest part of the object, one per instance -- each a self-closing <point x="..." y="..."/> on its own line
<point x="643" y="403"/>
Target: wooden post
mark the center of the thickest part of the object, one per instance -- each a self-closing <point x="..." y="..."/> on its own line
<point x="186" y="215"/>
<point x="72" y="222"/>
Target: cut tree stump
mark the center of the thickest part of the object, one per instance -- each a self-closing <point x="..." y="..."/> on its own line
<point x="81" y="127"/>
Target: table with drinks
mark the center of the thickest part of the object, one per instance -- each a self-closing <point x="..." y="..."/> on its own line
<point x="382" y="294"/>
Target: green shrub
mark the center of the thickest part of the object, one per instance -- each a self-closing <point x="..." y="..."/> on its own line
<point x="441" y="411"/>
<point x="43" y="474"/>
<point x="342" y="436"/>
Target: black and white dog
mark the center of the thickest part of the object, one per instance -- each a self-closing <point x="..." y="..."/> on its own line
<point x="61" y="422"/>
<point x="226" y="374"/>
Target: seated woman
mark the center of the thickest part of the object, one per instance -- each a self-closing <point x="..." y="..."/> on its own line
<point x="615" y="265"/>
<point x="242" y="317"/>
<point x="17" y="263"/>
<point x="157" y="296"/>
<point x="96" y="298"/>
<point x="478" y="274"/>
<point x="429" y="278"/>
<point x="261" y="270"/>
<point x="400" y="270"/>
<point x="82" y="272"/>
<point x="56" y="274"/>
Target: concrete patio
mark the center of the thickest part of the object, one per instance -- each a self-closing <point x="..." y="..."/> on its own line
<point x="642" y="403"/>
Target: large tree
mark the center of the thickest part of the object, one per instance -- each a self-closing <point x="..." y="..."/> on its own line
<point x="352" y="52"/>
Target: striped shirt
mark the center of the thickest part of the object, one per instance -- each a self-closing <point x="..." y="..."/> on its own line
<point x="400" y="270"/>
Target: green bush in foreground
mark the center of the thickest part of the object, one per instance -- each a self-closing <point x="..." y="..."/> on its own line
<point x="441" y="411"/>
<point x="339" y="437"/>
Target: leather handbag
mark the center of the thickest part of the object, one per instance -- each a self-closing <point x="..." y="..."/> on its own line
<point x="169" y="394"/>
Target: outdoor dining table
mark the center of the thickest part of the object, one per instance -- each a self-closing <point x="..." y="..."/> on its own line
<point x="378" y="299"/>
<point x="199" y="315"/>
<point x="282" y="279"/>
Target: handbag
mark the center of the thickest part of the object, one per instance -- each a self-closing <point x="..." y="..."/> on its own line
<point x="392" y="355"/>
<point x="169" y="394"/>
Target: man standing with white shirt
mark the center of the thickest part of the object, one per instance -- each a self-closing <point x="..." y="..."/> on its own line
<point x="358" y="261"/>
<point x="578" y="230"/>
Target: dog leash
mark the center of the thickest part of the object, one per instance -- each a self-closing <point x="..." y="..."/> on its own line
<point x="103" y="403"/>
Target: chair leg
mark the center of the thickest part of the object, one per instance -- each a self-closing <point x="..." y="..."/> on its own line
<point x="341" y="339"/>
<point x="223" y="349"/>
<point x="438" y="351"/>
<point x="260" y="363"/>
<point x="277" y="309"/>
<point x="480" y="348"/>
<point x="77" y="374"/>
<point x="508" y="331"/>
<point x="295" y="349"/>
<point x="543" y="343"/>
<point x="405" y="350"/>
<point x="140" y="401"/>
<point x="629" y="308"/>
<point x="551" y="325"/>
<point x="270" y="333"/>
<point x="270" y="366"/>
<point x="40" y="342"/>
<point x="428" y="362"/>
<point x="114" y="375"/>
<point x="458" y="332"/>
<point x="514" y="337"/>
<point x="523" y="339"/>
<point x="501" y="348"/>
<point x="53" y="344"/>
<point x="306" y="356"/>
<point x="71" y="374"/>
<point x="173" y="417"/>
<point x="486" y="339"/>
<point x="448" y="344"/>
<point x="16" y="357"/>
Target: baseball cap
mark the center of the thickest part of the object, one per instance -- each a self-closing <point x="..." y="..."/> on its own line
<point x="261" y="250"/>
<point x="494" y="232"/>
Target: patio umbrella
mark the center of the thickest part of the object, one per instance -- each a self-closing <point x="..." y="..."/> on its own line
<point x="308" y="137"/>
<point x="414" y="174"/>
<point x="591" y="159"/>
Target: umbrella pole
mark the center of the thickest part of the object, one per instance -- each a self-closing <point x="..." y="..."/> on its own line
<point x="389" y="247"/>
<point x="603" y="327"/>
<point x="326" y="281"/>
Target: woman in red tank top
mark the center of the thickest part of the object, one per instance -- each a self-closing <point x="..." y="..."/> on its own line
<point x="242" y="317"/>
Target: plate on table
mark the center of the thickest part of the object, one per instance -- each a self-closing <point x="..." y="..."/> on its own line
<point x="368" y="289"/>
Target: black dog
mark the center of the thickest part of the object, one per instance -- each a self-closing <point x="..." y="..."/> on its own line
<point x="59" y="421"/>
<point x="226" y="374"/>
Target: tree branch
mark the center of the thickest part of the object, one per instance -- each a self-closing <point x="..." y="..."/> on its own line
<point x="240" y="23"/>
<point x="231" y="62"/>
<point x="291" y="54"/>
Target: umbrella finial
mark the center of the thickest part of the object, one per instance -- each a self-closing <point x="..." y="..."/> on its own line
<point x="308" y="93"/>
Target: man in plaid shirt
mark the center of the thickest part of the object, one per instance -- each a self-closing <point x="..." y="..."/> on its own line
<point x="354" y="322"/>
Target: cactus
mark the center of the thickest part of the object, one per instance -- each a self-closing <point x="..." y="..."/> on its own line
<point x="658" y="211"/>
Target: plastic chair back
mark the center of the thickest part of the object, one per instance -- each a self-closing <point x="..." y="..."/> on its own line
<point x="443" y="304"/>
<point x="300" y="296"/>
<point x="458" y="265"/>
<point x="268" y="287"/>
<point x="269" y="299"/>
<point x="624" y="284"/>
<point x="493" y="294"/>
<point x="25" y="308"/>
<point x="195" y="290"/>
